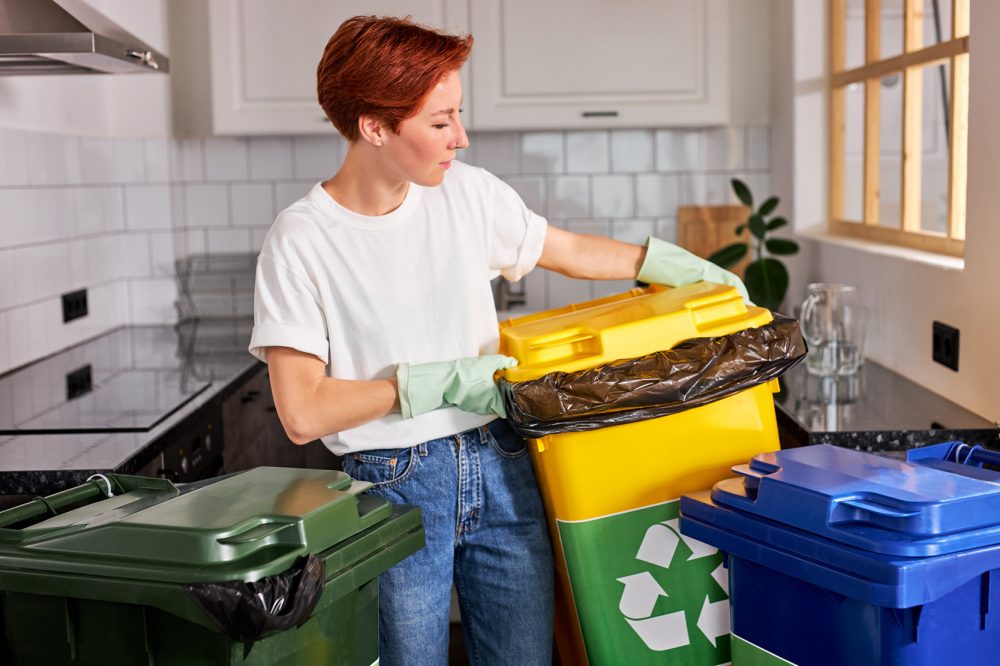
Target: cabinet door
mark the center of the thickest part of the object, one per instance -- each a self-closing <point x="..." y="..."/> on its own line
<point x="254" y="437"/>
<point x="244" y="425"/>
<point x="264" y="56"/>
<point x="596" y="63"/>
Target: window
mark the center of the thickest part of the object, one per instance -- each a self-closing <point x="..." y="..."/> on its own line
<point x="899" y="99"/>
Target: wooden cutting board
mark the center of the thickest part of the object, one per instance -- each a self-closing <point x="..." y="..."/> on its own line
<point x="703" y="230"/>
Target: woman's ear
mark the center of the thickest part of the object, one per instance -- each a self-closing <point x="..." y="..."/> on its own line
<point x="372" y="130"/>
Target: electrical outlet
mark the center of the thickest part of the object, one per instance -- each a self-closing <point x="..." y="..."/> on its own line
<point x="74" y="305"/>
<point x="79" y="382"/>
<point x="946" y="345"/>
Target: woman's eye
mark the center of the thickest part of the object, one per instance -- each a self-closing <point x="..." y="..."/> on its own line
<point x="441" y="125"/>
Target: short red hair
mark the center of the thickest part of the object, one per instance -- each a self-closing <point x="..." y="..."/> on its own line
<point x="383" y="67"/>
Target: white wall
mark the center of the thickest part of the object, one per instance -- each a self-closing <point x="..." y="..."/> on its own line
<point x="904" y="291"/>
<point x="749" y="37"/>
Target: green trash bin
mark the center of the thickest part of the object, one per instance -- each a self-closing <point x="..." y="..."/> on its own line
<point x="109" y="572"/>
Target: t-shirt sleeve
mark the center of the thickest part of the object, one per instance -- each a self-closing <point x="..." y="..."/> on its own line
<point x="517" y="233"/>
<point x="286" y="312"/>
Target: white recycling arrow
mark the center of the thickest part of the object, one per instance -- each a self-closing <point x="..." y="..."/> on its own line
<point x="721" y="577"/>
<point x="663" y="632"/>
<point x="640" y="595"/>
<point x="658" y="546"/>
<point x="714" y="619"/>
<point x="698" y="549"/>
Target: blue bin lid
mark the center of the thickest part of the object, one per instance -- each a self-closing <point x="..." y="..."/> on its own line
<point x="889" y="581"/>
<point x="873" y="503"/>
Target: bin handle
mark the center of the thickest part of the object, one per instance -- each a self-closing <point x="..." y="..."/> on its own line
<point x="106" y="480"/>
<point x="748" y="471"/>
<point x="559" y="339"/>
<point x="255" y="533"/>
<point x="45" y="506"/>
<point x="977" y="455"/>
<point x="97" y="487"/>
<point x="872" y="507"/>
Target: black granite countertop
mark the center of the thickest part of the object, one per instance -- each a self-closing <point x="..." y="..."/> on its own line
<point x="874" y="410"/>
<point x="196" y="362"/>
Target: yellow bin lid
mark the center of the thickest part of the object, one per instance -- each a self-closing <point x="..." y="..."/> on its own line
<point x="635" y="323"/>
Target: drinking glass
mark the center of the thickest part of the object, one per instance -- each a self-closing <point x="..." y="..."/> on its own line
<point x="833" y="323"/>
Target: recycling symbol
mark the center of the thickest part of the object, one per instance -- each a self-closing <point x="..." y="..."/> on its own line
<point x="685" y="559"/>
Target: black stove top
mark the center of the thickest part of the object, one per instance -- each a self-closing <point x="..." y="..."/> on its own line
<point x="127" y="381"/>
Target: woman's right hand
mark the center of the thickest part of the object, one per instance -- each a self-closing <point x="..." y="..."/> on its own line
<point x="466" y="383"/>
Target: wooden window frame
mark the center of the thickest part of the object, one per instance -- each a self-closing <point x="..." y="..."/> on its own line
<point x="910" y="65"/>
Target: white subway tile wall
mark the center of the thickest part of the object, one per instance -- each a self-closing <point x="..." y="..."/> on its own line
<point x="226" y="159"/>
<point x="632" y="151"/>
<point x="497" y="152"/>
<point x="542" y="152"/>
<point x="113" y="215"/>
<point x="612" y="196"/>
<point x="270" y="158"/>
<point x="587" y="152"/>
<point x="312" y="156"/>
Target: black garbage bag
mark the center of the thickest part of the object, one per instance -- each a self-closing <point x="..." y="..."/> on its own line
<point x="248" y="611"/>
<point x="693" y="373"/>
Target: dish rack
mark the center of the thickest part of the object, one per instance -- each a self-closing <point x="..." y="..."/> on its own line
<point x="216" y="286"/>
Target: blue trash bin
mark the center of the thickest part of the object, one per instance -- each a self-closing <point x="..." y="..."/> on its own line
<point x="841" y="557"/>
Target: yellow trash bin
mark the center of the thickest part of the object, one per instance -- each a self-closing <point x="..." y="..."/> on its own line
<point x="630" y="589"/>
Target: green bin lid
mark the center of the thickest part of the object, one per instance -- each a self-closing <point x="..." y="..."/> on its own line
<point x="241" y="527"/>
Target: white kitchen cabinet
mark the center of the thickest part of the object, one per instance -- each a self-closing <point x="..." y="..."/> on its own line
<point x="249" y="66"/>
<point x="598" y="63"/>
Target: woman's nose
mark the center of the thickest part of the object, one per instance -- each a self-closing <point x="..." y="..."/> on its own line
<point x="461" y="139"/>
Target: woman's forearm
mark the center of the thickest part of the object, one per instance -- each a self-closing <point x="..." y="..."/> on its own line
<point x="312" y="405"/>
<point x="590" y="257"/>
<point x="340" y="404"/>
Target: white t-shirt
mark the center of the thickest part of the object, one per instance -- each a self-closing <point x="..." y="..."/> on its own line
<point x="364" y="293"/>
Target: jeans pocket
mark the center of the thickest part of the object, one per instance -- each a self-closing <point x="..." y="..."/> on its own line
<point x="383" y="468"/>
<point x="506" y="442"/>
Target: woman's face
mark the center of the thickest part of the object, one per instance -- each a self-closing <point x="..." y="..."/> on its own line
<point x="426" y="143"/>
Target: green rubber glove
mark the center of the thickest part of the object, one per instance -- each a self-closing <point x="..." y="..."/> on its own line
<point x="466" y="383"/>
<point x="673" y="266"/>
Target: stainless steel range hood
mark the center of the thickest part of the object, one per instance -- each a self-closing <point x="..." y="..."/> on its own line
<point x="69" y="37"/>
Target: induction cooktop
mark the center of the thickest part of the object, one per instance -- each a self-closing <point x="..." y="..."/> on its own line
<point x="115" y="384"/>
<point x="131" y="401"/>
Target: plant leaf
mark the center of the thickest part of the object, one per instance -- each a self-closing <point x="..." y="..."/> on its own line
<point x="768" y="206"/>
<point x="776" y="223"/>
<point x="739" y="229"/>
<point x="729" y="255"/>
<point x="781" y="246"/>
<point x="742" y="192"/>
<point x="767" y="282"/>
<point x="757" y="226"/>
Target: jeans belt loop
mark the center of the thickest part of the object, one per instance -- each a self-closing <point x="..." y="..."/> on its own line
<point x="422" y="449"/>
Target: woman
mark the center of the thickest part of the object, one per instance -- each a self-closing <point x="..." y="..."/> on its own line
<point x="374" y="311"/>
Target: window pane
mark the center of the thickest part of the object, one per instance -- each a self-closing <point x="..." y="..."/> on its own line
<point x="854" y="34"/>
<point x="854" y="152"/>
<point x="937" y="21"/>
<point x="934" y="148"/>
<point x="891" y="39"/>
<point x="890" y="141"/>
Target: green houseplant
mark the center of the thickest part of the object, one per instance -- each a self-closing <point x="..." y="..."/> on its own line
<point x="766" y="277"/>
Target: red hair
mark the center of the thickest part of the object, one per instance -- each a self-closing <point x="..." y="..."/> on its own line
<point x="383" y="67"/>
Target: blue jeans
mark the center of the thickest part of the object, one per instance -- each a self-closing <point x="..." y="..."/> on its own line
<point x="486" y="531"/>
